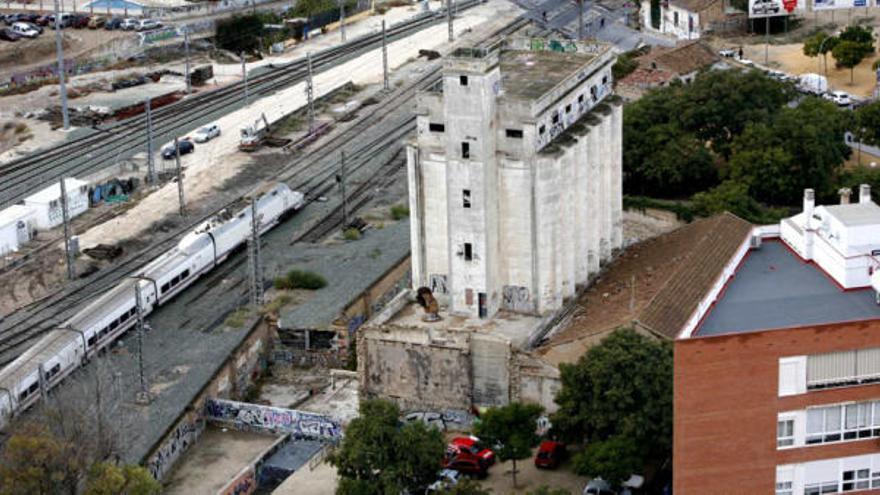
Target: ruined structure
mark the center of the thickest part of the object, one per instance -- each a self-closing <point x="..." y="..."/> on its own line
<point x="515" y="201"/>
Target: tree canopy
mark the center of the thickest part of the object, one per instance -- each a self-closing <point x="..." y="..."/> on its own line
<point x="617" y="400"/>
<point x="378" y="455"/>
<point x="511" y="430"/>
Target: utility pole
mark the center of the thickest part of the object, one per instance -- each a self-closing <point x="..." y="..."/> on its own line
<point x="151" y="166"/>
<point x="65" y="217"/>
<point x="59" y="49"/>
<point x="180" y="201"/>
<point x="341" y="179"/>
<point x="186" y="64"/>
<point x="244" y="77"/>
<point x="384" y="56"/>
<point x="256" y="271"/>
<point x="449" y="18"/>
<point x="342" y="19"/>
<point x="580" y="4"/>
<point x="310" y="93"/>
<point x="766" y="41"/>
<point x="143" y="396"/>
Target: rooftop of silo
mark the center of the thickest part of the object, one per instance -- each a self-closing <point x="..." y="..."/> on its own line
<point x="529" y="74"/>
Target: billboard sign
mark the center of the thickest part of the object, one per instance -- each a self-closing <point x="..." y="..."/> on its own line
<point x="772" y="8"/>
<point x="838" y="4"/>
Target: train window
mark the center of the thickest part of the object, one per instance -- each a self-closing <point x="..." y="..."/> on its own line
<point x="184" y="274"/>
<point x="133" y="311"/>
<point x="22" y="396"/>
<point x="175" y="280"/>
<point x="114" y="324"/>
<point x="92" y="340"/>
<point x="34" y="387"/>
<point x="165" y="287"/>
<point x="56" y="369"/>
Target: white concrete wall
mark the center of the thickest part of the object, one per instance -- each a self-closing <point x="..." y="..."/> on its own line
<point x="680" y="31"/>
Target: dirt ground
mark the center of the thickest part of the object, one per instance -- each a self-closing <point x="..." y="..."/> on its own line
<point x="78" y="43"/>
<point x="528" y="477"/>
<point x="790" y="59"/>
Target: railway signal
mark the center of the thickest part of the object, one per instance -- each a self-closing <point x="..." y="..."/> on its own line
<point x="65" y="216"/>
<point x="180" y="200"/>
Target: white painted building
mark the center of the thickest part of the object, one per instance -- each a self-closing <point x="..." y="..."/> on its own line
<point x="682" y="19"/>
<point x="46" y="204"/>
<point x="515" y="177"/>
<point x="15" y="228"/>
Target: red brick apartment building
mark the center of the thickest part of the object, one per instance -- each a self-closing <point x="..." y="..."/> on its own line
<point x="777" y="369"/>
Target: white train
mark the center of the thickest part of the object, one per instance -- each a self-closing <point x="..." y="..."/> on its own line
<point x="61" y="351"/>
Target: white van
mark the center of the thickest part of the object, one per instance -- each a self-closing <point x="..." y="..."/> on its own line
<point x="23" y="29"/>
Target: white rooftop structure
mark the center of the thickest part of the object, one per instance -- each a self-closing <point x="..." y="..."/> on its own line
<point x="843" y="240"/>
<point x="46" y="203"/>
<point x="14" y="228"/>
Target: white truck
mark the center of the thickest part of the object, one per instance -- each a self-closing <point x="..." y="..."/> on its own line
<point x="813" y="84"/>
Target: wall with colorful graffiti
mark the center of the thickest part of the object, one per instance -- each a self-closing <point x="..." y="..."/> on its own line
<point x="256" y="417"/>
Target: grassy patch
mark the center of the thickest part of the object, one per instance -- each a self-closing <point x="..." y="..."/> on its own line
<point x="399" y="212"/>
<point x="351" y="234"/>
<point x="300" y="279"/>
<point x="276" y="304"/>
<point x="237" y="318"/>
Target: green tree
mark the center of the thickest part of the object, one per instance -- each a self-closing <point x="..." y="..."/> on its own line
<point x="734" y="197"/>
<point x="466" y="487"/>
<point x="820" y="44"/>
<point x="35" y="462"/>
<point x="615" y="459"/>
<point x="859" y="34"/>
<point x="621" y="388"/>
<point x="866" y="123"/>
<point x="849" y="54"/>
<point x="512" y="429"/>
<point x="379" y="456"/>
<point x="109" y="479"/>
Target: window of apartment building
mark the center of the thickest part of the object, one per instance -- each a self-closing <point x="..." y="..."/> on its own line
<point x="594" y="93"/>
<point x="820" y="488"/>
<point x="514" y="133"/>
<point x="465" y="150"/>
<point x="836" y="369"/>
<point x="468" y="251"/>
<point x="675" y="19"/>
<point x="605" y="79"/>
<point x="784" y="488"/>
<point x="462" y="80"/>
<point x="785" y="433"/>
<point x="466" y="198"/>
<point x="857" y="479"/>
<point x="843" y="422"/>
<point x="436" y="127"/>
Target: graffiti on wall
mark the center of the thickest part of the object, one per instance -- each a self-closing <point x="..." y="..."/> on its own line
<point x="516" y="298"/>
<point x="438" y="284"/>
<point x="174" y="446"/>
<point x="243" y="484"/>
<point x="246" y="416"/>
<point x="450" y="419"/>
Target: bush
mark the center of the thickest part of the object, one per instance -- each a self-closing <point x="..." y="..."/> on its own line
<point x="299" y="279"/>
<point x="351" y="234"/>
<point x="399" y="212"/>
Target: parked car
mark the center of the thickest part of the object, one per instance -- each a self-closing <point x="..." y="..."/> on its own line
<point x="130" y="24"/>
<point x="66" y="20"/>
<point x="97" y="22"/>
<point x="598" y="486"/>
<point x="469" y="465"/>
<point x="33" y="25"/>
<point x="24" y="30"/>
<point x="446" y="479"/>
<point x="550" y="454"/>
<point x="842" y="98"/>
<point x="11" y="19"/>
<point x="43" y="20"/>
<point x="80" y="21"/>
<point x="186" y="146"/>
<point x="473" y="446"/>
<point x="727" y="53"/>
<point x="7" y="34"/>
<point x="114" y="23"/>
<point x="148" y="24"/>
<point x="813" y="84"/>
<point x="207" y="133"/>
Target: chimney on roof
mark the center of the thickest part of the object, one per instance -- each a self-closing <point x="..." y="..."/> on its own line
<point x="845" y="194"/>
<point x="809" y="203"/>
<point x="864" y="193"/>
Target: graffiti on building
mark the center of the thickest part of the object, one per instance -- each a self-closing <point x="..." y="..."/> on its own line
<point x="438" y="284"/>
<point x="174" y="446"/>
<point x="272" y="419"/>
<point x="446" y="420"/>
<point x="243" y="484"/>
<point x="515" y="298"/>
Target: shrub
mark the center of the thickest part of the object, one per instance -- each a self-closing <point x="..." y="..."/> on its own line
<point x="299" y="279"/>
<point x="351" y="234"/>
<point x="399" y="212"/>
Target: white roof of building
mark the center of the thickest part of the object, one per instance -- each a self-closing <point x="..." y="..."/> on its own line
<point x="53" y="192"/>
<point x="856" y="214"/>
<point x="13" y="214"/>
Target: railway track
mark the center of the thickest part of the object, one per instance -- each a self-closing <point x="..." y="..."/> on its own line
<point x="106" y="144"/>
<point x="304" y="173"/>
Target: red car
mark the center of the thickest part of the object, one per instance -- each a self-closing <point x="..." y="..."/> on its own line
<point x="466" y="464"/>
<point x="472" y="445"/>
<point x="550" y="454"/>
